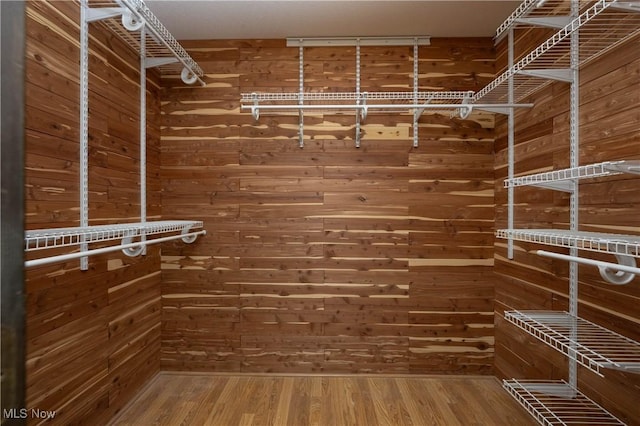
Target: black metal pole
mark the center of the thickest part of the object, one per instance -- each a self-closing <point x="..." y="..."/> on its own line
<point x="12" y="31"/>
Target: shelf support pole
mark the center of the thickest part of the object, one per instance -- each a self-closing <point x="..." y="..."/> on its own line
<point x="301" y="96"/>
<point x="574" y="140"/>
<point x="143" y="132"/>
<point x="358" y="92"/>
<point x="510" y="147"/>
<point x="416" y="83"/>
<point x="84" y="127"/>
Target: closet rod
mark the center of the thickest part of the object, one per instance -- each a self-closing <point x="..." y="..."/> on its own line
<point x="70" y="256"/>
<point x="598" y="263"/>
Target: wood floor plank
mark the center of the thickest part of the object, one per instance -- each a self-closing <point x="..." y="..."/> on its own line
<point x="226" y="409"/>
<point x="315" y="403"/>
<point x="417" y="403"/>
<point x="297" y="400"/>
<point x="389" y="407"/>
<point x="205" y="395"/>
<point x="282" y="410"/>
<point x="300" y="402"/>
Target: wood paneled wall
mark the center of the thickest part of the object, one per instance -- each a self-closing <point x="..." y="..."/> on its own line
<point x="93" y="337"/>
<point x="328" y="258"/>
<point x="609" y="130"/>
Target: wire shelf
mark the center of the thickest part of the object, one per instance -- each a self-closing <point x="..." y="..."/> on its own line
<point x="602" y="26"/>
<point x="63" y="237"/>
<point x="159" y="43"/>
<point x="555" y="403"/>
<point x="530" y="12"/>
<point x="589" y="344"/>
<point x="355" y="96"/>
<point x="592" y="241"/>
<point x="607" y="168"/>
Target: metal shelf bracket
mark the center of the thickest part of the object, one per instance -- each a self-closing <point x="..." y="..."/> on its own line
<point x="102" y="13"/>
<point x="550" y="74"/>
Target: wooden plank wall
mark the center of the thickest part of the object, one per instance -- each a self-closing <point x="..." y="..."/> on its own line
<point x="93" y="337"/>
<point x="609" y="130"/>
<point x="330" y="258"/>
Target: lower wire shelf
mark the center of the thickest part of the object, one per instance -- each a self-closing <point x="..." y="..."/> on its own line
<point x="589" y="344"/>
<point x="555" y="402"/>
<point x="67" y="237"/>
<point x="61" y="237"/>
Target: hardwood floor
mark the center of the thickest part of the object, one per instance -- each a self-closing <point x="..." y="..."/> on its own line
<point x="208" y="399"/>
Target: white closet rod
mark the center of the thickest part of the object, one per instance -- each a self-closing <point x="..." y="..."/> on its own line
<point x="598" y="263"/>
<point x="70" y="256"/>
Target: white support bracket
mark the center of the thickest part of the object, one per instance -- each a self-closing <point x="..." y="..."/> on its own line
<point x="466" y="108"/>
<point x="547" y="21"/>
<point x="550" y="74"/>
<point x="628" y="6"/>
<point x="364" y="110"/>
<point x="301" y="129"/>
<point x="361" y="115"/>
<point x="158" y="62"/>
<point x="130" y="20"/>
<point x="255" y="110"/>
<point x="627" y="166"/>
<point x="568" y="186"/>
<point x="496" y="110"/>
<point x="102" y="13"/>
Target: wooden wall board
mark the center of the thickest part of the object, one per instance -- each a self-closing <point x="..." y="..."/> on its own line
<point x="316" y="257"/>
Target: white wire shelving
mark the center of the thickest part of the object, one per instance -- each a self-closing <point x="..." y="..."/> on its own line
<point x="556" y="178"/>
<point x="188" y="232"/>
<point x="536" y="13"/>
<point x="577" y="33"/>
<point x="450" y="96"/>
<point x="556" y="403"/>
<point x="353" y="96"/>
<point x="363" y="102"/>
<point x="126" y="17"/>
<point x="134" y="23"/>
<point x="63" y="237"/>
<point x="589" y="344"/>
<point x="604" y="25"/>
<point x="615" y="244"/>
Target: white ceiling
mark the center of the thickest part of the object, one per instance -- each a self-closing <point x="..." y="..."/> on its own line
<point x="261" y="19"/>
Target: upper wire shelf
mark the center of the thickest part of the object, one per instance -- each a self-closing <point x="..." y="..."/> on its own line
<point x="555" y="403"/>
<point x="589" y="344"/>
<point x="354" y="96"/>
<point x="162" y="49"/>
<point x="63" y="237"/>
<point x="539" y="12"/>
<point x="592" y="241"/>
<point x="607" y="168"/>
<point x="363" y="101"/>
<point x="417" y="102"/>
<point x="603" y="26"/>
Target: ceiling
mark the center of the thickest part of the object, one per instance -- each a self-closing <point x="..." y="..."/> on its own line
<point x="261" y="19"/>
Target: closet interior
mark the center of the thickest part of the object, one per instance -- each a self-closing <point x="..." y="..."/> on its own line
<point x="345" y="206"/>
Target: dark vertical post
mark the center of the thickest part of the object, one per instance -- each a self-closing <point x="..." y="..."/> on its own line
<point x="12" y="31"/>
